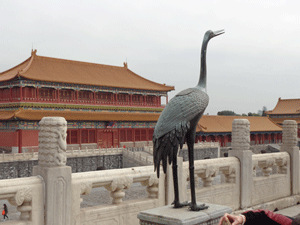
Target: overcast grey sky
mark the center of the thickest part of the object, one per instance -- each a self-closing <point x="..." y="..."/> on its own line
<point x="254" y="63"/>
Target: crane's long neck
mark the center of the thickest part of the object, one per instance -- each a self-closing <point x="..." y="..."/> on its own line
<point x="202" y="79"/>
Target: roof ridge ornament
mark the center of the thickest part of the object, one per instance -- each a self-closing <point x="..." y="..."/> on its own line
<point x="33" y="52"/>
<point x="125" y="65"/>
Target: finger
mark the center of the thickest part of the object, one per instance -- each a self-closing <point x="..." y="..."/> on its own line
<point x="221" y="220"/>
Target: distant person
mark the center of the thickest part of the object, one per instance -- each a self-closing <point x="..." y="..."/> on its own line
<point x="4" y="212"/>
<point x="260" y="217"/>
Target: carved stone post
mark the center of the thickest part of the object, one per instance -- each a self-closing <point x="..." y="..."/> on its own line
<point x="52" y="167"/>
<point x="241" y="150"/>
<point x="289" y="144"/>
<point x="182" y="177"/>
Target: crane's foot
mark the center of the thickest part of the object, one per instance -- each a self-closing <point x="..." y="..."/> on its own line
<point x="195" y="207"/>
<point x="180" y="205"/>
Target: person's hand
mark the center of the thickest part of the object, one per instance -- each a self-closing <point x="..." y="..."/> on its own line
<point x="234" y="220"/>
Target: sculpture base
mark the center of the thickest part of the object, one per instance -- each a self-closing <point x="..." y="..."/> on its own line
<point x="183" y="216"/>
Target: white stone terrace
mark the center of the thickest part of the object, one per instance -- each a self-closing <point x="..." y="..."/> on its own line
<point x="239" y="187"/>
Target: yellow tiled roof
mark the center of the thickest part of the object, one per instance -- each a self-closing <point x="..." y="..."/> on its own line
<point x="286" y="106"/>
<point x="223" y="124"/>
<point x="67" y="71"/>
<point x="25" y="114"/>
<point x="207" y="124"/>
<point x="280" y="120"/>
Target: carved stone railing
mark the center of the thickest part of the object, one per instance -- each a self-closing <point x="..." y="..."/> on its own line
<point x="227" y="173"/>
<point x="139" y="157"/>
<point x="116" y="181"/>
<point x="275" y="180"/>
<point x="27" y="194"/>
<point x="69" y="153"/>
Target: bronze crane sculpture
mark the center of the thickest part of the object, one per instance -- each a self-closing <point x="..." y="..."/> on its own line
<point x="177" y="124"/>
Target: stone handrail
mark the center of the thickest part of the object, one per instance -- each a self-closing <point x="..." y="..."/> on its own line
<point x="27" y="194"/>
<point x="137" y="156"/>
<point x="275" y="180"/>
<point x="70" y="153"/>
<point x="116" y="181"/>
<point x="207" y="170"/>
<point x="267" y="162"/>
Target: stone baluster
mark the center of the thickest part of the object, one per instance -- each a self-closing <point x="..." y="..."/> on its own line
<point x="85" y="189"/>
<point x="229" y="175"/>
<point x="117" y="186"/>
<point x="289" y="144"/>
<point x="208" y="176"/>
<point x="22" y="199"/>
<point x="282" y="166"/>
<point x="241" y="149"/>
<point x="52" y="168"/>
<point x="266" y="166"/>
<point x="152" y="186"/>
<point x="25" y="210"/>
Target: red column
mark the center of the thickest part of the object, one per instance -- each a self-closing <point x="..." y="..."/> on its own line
<point x="116" y="98"/>
<point x="144" y="100"/>
<point x="58" y="95"/>
<point x="21" y="93"/>
<point x="133" y="136"/>
<point x="10" y="94"/>
<point x="77" y="96"/>
<point x="130" y="99"/>
<point x="79" y="132"/>
<point x="20" y="140"/>
<point x="94" y="97"/>
<point x="225" y="140"/>
<point x="37" y="94"/>
<point x="167" y="99"/>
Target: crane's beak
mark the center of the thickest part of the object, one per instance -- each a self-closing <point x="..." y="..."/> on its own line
<point x="219" y="32"/>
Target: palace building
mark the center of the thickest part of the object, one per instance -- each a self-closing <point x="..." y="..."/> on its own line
<point x="286" y="109"/>
<point x="102" y="104"/>
<point x="219" y="128"/>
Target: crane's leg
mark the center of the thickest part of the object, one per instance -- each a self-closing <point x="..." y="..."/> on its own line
<point x="190" y="142"/>
<point x="176" y="202"/>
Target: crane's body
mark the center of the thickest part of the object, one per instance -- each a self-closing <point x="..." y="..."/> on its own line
<point x="174" y="122"/>
<point x="177" y="124"/>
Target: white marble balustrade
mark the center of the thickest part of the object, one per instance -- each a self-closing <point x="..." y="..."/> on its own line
<point x="27" y="194"/>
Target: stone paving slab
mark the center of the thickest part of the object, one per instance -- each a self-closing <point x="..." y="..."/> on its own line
<point x="291" y="211"/>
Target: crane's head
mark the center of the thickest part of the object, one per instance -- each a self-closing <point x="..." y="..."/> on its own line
<point x="212" y="34"/>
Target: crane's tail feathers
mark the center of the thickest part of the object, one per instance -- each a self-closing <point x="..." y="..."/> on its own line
<point x="167" y="146"/>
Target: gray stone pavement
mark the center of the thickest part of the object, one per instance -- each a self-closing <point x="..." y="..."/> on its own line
<point x="291" y="211"/>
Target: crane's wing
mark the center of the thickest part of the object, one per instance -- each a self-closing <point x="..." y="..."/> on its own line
<point x="174" y="122"/>
<point x="182" y="108"/>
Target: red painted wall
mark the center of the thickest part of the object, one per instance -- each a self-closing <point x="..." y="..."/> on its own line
<point x="30" y="138"/>
<point x="9" y="139"/>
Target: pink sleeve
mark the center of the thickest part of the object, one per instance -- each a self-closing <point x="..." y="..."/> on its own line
<point x="276" y="217"/>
